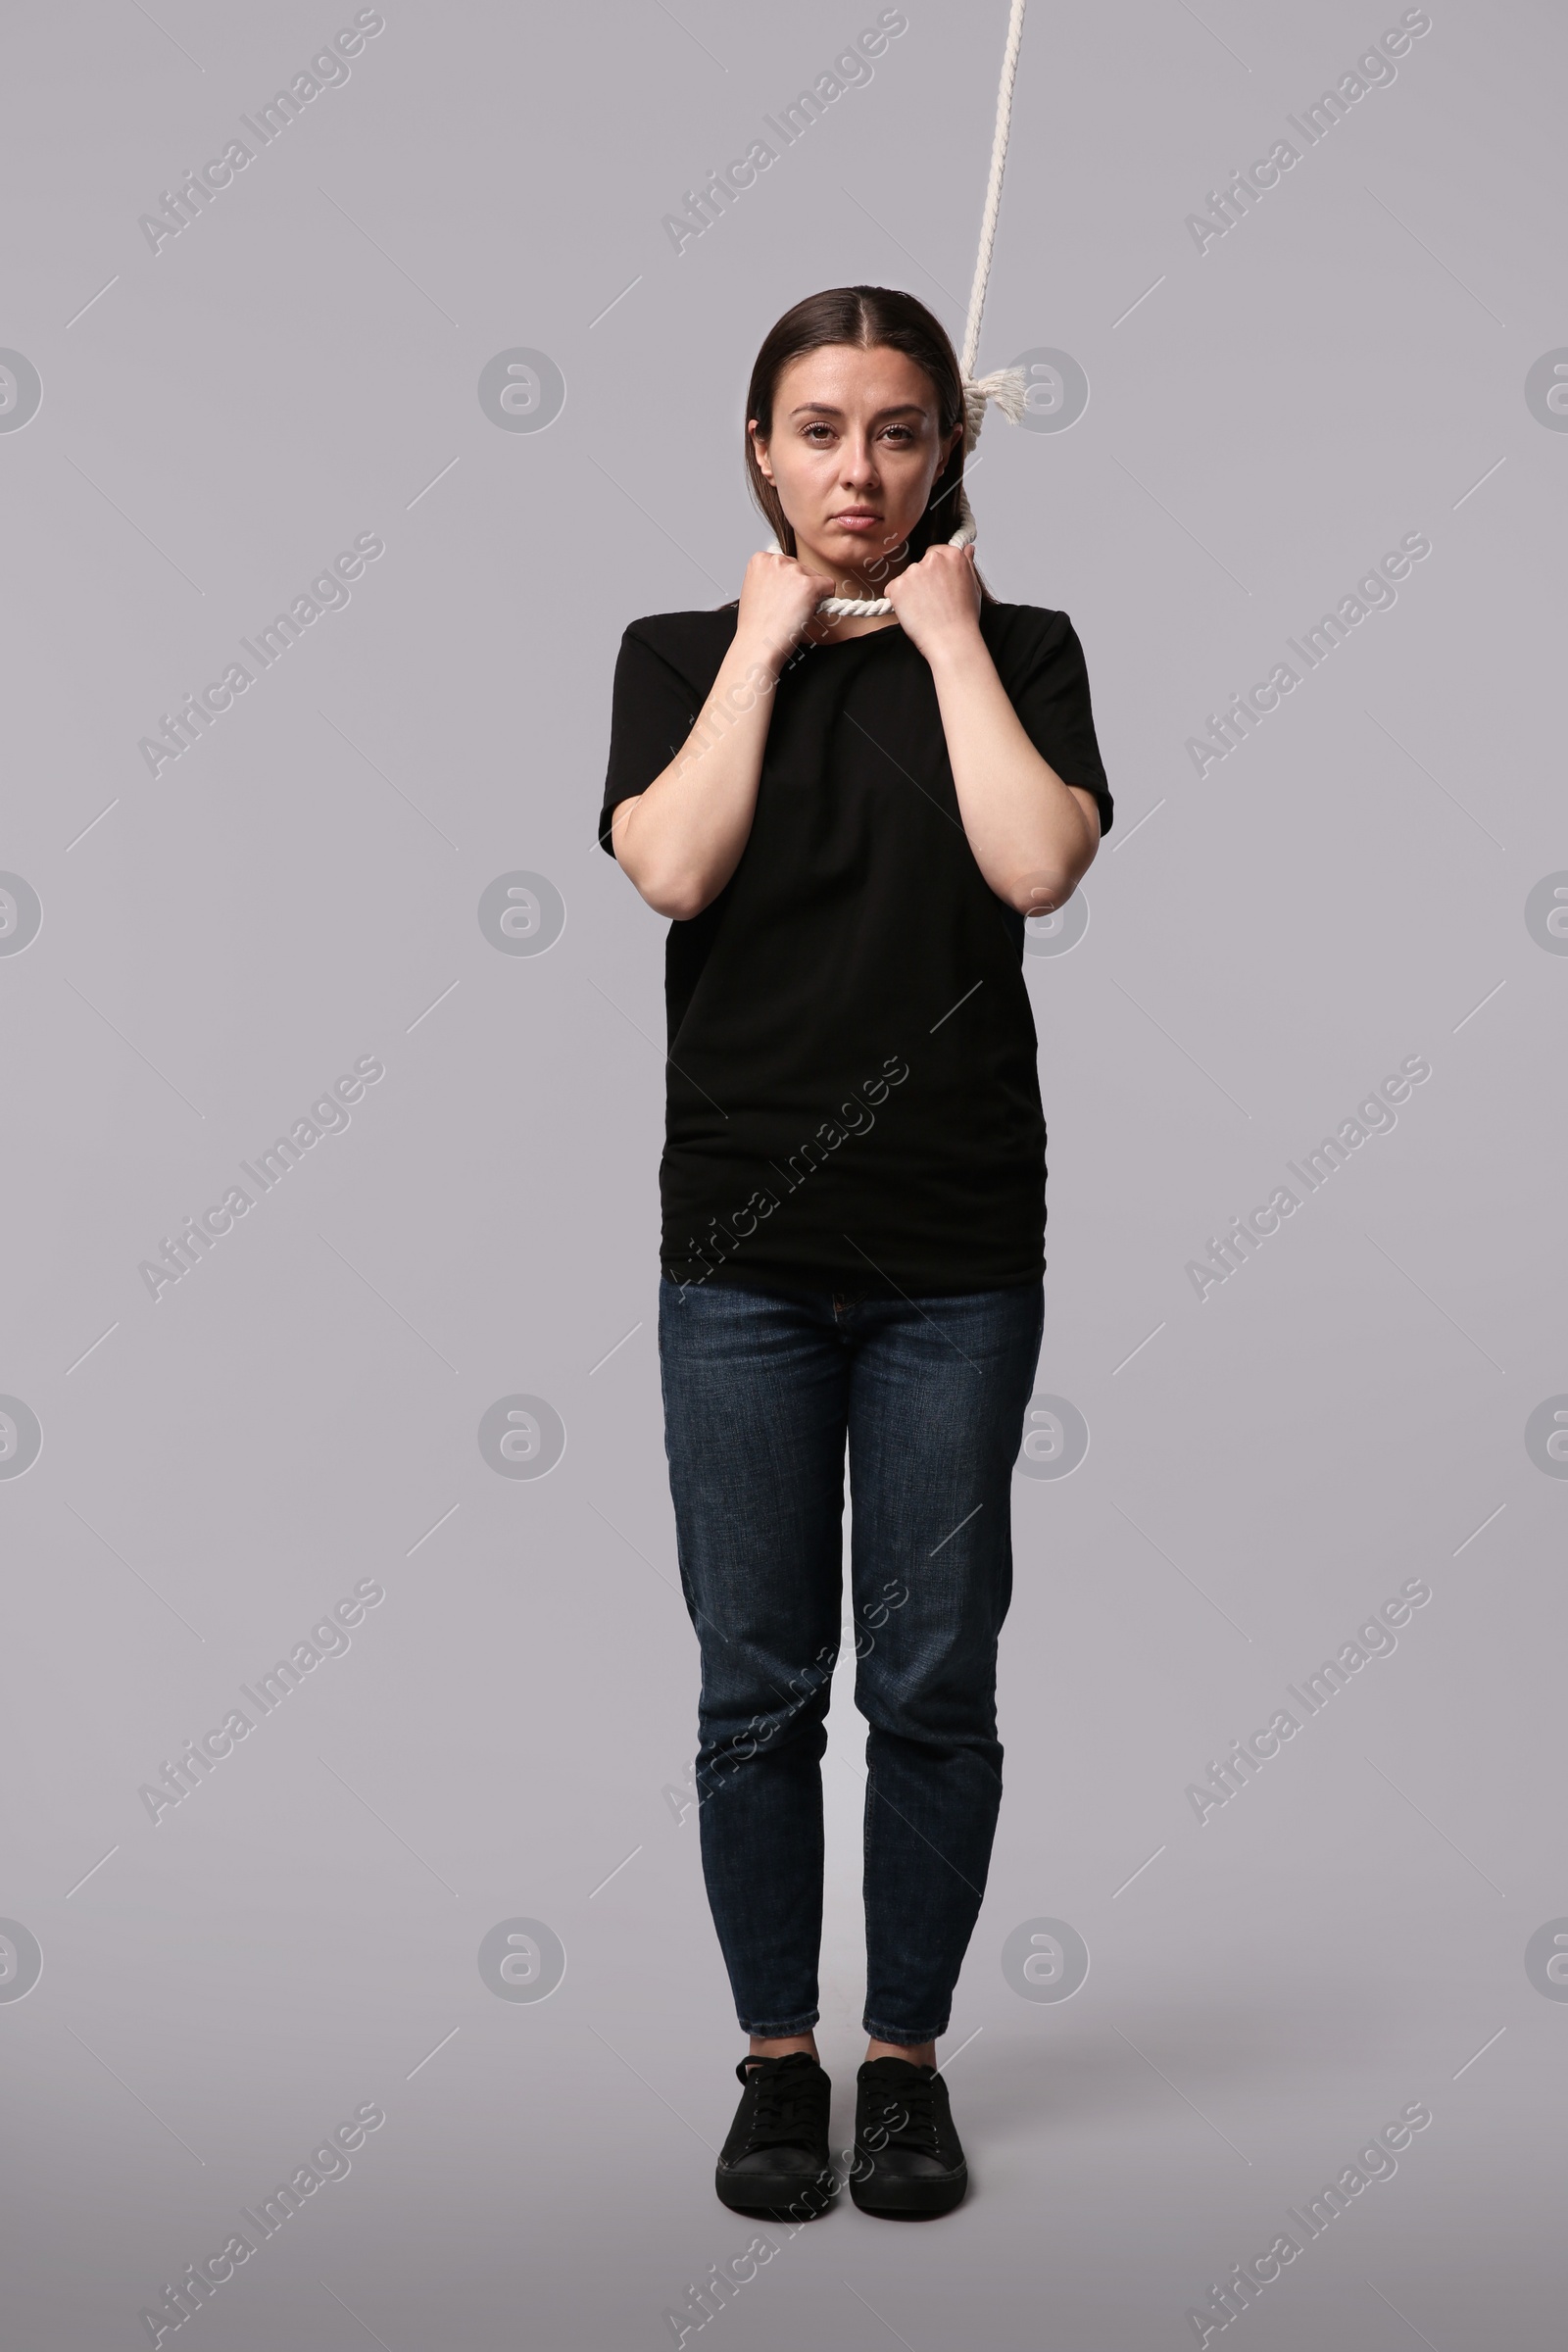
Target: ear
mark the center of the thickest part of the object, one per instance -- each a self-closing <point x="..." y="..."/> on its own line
<point x="760" y="450"/>
<point x="950" y="444"/>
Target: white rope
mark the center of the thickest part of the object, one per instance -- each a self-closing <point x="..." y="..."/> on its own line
<point x="999" y="157"/>
<point x="1005" y="385"/>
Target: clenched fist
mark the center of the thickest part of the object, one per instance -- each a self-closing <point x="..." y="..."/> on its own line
<point x="938" y="600"/>
<point x="778" y="597"/>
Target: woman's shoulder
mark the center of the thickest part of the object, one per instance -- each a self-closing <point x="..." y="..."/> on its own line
<point x="1030" y="624"/>
<point x="1029" y="640"/>
<point x="671" y="633"/>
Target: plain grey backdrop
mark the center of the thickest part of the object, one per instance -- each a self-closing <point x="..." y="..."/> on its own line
<point x="193" y="950"/>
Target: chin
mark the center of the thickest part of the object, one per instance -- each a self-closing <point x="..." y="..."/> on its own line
<point x="871" y="547"/>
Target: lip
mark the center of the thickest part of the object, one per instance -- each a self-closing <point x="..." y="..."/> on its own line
<point x="856" y="518"/>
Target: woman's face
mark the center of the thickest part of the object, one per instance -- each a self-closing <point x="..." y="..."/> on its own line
<point x="855" y="449"/>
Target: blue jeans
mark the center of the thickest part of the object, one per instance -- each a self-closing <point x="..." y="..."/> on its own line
<point x="761" y="1390"/>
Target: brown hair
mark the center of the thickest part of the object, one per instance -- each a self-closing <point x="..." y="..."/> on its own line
<point x="866" y="316"/>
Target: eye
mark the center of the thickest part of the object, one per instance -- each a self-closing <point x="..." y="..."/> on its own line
<point x="812" y="430"/>
<point x="902" y="431"/>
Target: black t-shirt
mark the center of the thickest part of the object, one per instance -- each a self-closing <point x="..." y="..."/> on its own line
<point x="853" y="1101"/>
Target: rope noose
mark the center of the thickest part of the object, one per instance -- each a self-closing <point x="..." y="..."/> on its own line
<point x="1005" y="385"/>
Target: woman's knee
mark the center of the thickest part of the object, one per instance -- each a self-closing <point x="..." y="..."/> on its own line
<point x="792" y="1736"/>
<point x="944" y="1703"/>
<point x="743" y="1712"/>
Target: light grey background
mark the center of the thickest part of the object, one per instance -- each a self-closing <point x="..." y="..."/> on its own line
<point x="301" y="1412"/>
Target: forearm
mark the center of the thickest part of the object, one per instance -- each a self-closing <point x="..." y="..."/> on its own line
<point x="1032" y="836"/>
<point x="681" y="838"/>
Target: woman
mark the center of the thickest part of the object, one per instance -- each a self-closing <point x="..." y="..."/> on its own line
<point x="848" y="821"/>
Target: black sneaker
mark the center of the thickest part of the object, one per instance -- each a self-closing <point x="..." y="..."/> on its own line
<point x="775" y="2159"/>
<point x="908" y="2156"/>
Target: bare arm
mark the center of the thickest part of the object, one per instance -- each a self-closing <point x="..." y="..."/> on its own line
<point x="682" y="838"/>
<point x="1034" y="837"/>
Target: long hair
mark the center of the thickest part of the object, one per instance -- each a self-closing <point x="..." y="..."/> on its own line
<point x="866" y="316"/>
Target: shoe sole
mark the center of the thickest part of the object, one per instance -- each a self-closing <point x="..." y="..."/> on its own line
<point x="896" y="2196"/>
<point x="784" y="2195"/>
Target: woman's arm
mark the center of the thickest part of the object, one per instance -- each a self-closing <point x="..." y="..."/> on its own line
<point x="681" y="838"/>
<point x="1034" y="837"/>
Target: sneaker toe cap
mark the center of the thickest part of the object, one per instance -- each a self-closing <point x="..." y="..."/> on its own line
<point x="766" y="2163"/>
<point x="912" y="2163"/>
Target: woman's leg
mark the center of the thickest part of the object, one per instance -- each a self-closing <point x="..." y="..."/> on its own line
<point x="756" y="1394"/>
<point x="938" y="1396"/>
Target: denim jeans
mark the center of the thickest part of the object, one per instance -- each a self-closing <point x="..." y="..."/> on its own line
<point x="761" y="1388"/>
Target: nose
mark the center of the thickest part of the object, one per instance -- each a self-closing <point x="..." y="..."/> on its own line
<point x="859" y="463"/>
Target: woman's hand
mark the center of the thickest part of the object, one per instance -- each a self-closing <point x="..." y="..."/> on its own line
<point x="778" y="597"/>
<point x="938" y="600"/>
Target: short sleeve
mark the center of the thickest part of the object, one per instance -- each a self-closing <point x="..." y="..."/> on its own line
<point x="1050" y="691"/>
<point x="652" y="711"/>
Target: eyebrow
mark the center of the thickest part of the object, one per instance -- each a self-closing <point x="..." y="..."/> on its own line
<point x="821" y="408"/>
